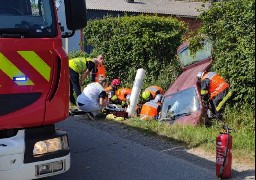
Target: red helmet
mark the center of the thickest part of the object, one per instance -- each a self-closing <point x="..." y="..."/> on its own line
<point x="116" y="82"/>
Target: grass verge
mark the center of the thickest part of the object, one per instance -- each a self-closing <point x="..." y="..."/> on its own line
<point x="205" y="137"/>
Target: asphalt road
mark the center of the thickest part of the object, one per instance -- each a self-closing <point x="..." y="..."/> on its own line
<point x="103" y="153"/>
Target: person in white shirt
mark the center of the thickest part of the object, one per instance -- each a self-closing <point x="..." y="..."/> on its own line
<point x="93" y="98"/>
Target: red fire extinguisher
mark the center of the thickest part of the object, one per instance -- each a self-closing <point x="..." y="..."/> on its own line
<point x="224" y="153"/>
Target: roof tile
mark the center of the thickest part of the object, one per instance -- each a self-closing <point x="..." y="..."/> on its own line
<point x="170" y="7"/>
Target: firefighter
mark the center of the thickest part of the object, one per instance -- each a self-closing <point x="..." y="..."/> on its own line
<point x="79" y="67"/>
<point x="151" y="109"/>
<point x="93" y="98"/>
<point x="120" y="97"/>
<point x="111" y="90"/>
<point x="100" y="70"/>
<point x="150" y="93"/>
<point x="214" y="91"/>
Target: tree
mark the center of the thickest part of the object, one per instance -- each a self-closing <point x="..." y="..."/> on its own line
<point x="230" y="25"/>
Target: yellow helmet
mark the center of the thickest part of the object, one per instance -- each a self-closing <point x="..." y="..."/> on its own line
<point x="146" y="94"/>
<point x="118" y="92"/>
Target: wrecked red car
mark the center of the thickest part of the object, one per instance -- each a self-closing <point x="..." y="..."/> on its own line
<point x="182" y="102"/>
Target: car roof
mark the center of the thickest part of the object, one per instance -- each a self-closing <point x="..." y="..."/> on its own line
<point x="187" y="78"/>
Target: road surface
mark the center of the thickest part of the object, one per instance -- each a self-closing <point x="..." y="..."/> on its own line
<point x="103" y="150"/>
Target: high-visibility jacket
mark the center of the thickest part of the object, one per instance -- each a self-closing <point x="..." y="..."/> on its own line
<point x="101" y="71"/>
<point x="109" y="88"/>
<point x="149" y="110"/>
<point x="213" y="87"/>
<point x="79" y="64"/>
<point x="154" y="90"/>
<point x="122" y="93"/>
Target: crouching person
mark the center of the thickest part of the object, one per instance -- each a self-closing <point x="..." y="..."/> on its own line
<point x="151" y="110"/>
<point x="93" y="98"/>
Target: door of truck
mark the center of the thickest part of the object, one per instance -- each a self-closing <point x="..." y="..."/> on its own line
<point x="28" y="34"/>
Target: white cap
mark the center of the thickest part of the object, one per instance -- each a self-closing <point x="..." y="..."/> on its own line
<point x="200" y="75"/>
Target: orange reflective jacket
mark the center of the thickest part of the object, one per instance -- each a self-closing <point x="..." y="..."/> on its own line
<point x="154" y="90"/>
<point x="101" y="71"/>
<point x="217" y="83"/>
<point x="109" y="88"/>
<point x="149" y="110"/>
<point x="122" y="93"/>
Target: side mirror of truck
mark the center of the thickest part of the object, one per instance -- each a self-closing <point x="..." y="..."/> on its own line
<point x="75" y="11"/>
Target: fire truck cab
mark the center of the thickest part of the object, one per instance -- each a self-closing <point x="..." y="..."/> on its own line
<point x="34" y="87"/>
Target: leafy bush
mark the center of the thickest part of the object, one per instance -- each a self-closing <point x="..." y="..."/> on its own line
<point x="130" y="43"/>
<point x="230" y="25"/>
<point x="75" y="54"/>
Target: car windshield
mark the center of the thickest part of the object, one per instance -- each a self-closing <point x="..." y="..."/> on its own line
<point x="187" y="59"/>
<point x="29" y="18"/>
<point x="179" y="104"/>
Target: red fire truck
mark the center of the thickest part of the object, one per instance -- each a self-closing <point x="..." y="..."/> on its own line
<point x="34" y="87"/>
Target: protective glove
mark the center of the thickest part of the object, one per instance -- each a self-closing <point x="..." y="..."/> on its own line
<point x="114" y="98"/>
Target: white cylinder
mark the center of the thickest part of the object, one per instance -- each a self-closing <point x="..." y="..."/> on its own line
<point x="66" y="45"/>
<point x="137" y="84"/>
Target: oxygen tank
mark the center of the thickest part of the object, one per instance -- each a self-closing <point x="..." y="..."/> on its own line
<point x="137" y="84"/>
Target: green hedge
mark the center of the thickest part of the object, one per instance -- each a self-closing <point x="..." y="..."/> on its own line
<point x="130" y="43"/>
<point x="231" y="26"/>
<point x="75" y="54"/>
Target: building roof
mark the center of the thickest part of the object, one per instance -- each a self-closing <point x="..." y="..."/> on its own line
<point x="168" y="7"/>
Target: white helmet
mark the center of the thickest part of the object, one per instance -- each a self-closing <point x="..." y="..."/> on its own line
<point x="158" y="98"/>
<point x="200" y="75"/>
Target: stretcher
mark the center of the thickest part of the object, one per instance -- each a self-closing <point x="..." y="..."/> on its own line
<point x="116" y="111"/>
<point x="110" y="109"/>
